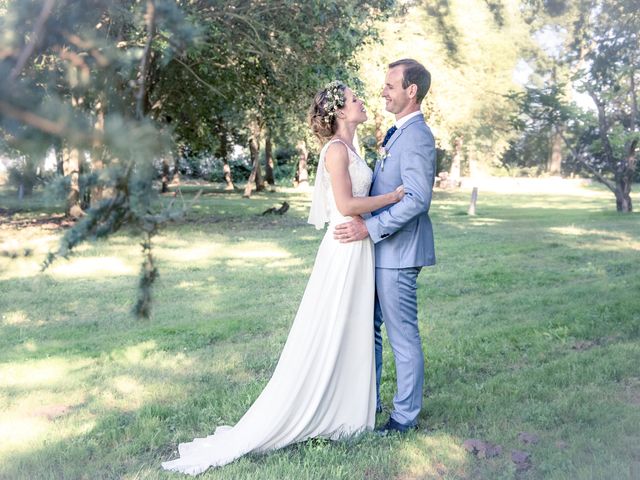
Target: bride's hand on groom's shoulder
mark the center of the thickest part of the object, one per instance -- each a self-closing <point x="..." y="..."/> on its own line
<point x="398" y="193"/>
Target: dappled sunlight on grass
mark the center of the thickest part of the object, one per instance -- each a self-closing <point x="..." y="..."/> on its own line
<point x="257" y="250"/>
<point x="436" y="455"/>
<point x="30" y="346"/>
<point x="55" y="399"/>
<point x="205" y="251"/>
<point x="40" y="372"/>
<point x="33" y="239"/>
<point x="113" y="260"/>
<point x="311" y="238"/>
<point x="285" y="264"/>
<point x="199" y="253"/>
<point x="503" y="317"/>
<point x="125" y="393"/>
<point x="146" y="355"/>
<point x="480" y="221"/>
<point x="88" y="267"/>
<point x="136" y="353"/>
<point x="17" y="317"/>
<point x="187" y="285"/>
<point x="19" y="433"/>
<point x="600" y="239"/>
<point x="537" y="186"/>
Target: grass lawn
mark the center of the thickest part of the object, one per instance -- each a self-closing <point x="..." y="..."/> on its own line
<point x="530" y="323"/>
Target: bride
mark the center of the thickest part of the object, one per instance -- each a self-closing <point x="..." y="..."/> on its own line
<point x="324" y="383"/>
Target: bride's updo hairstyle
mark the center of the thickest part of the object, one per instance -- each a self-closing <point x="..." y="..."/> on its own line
<point x="322" y="114"/>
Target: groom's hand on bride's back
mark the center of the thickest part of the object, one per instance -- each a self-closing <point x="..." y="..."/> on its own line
<point x="351" y="231"/>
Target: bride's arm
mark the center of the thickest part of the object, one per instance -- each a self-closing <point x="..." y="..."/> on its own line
<point x="337" y="162"/>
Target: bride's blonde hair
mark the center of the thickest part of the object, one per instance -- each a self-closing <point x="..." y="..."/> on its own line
<point x="322" y="114"/>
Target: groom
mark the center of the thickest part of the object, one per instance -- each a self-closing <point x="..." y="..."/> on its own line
<point x="402" y="234"/>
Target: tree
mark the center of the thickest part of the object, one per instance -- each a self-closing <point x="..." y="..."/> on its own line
<point x="256" y="66"/>
<point x="603" y="52"/>
<point x="471" y="49"/>
<point x="69" y="63"/>
<point x="121" y="80"/>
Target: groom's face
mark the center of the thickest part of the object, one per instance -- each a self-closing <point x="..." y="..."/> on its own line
<point x="396" y="98"/>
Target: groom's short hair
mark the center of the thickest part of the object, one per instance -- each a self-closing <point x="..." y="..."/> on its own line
<point x="414" y="73"/>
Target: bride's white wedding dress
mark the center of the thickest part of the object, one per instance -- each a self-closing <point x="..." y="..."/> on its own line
<point x="324" y="383"/>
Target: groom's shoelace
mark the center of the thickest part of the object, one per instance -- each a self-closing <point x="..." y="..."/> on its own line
<point x="390" y="132"/>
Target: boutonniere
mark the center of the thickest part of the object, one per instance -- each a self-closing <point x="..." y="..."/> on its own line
<point x="383" y="154"/>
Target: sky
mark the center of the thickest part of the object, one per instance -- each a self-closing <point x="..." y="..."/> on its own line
<point x="551" y="41"/>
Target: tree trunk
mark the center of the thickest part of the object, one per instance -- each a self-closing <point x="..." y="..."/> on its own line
<point x="302" y="174"/>
<point x="634" y="100"/>
<point x="176" y="171"/>
<point x="165" y="175"/>
<point x="623" y="202"/>
<point x="59" y="157"/>
<point x="554" y="162"/>
<point x="28" y="178"/>
<point x="85" y="198"/>
<point x="226" y="170"/>
<point x="259" y="178"/>
<point x="624" y="179"/>
<point x="223" y="153"/>
<point x="256" y="173"/>
<point x="97" y="154"/>
<point x="453" y="180"/>
<point x="268" y="159"/>
<point x="71" y="166"/>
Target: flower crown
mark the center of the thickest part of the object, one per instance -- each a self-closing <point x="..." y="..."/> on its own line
<point x="335" y="99"/>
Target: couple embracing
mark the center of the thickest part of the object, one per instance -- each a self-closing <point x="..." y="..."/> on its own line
<point x="327" y="380"/>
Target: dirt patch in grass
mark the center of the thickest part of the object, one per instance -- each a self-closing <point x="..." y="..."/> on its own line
<point x="631" y="391"/>
<point x="248" y="222"/>
<point x="52" y="411"/>
<point x="47" y="222"/>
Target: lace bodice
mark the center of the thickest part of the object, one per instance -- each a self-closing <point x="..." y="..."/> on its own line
<point x="324" y="207"/>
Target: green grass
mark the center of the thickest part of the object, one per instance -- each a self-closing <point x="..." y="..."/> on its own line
<point x="530" y="322"/>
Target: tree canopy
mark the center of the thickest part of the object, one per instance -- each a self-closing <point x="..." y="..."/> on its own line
<point x="123" y="82"/>
<point x="123" y="89"/>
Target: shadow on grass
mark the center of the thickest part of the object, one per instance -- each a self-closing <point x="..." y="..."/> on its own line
<point x="527" y="326"/>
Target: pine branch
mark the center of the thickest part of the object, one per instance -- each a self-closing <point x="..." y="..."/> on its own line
<point x="27" y="51"/>
<point x="148" y="275"/>
<point x="58" y="128"/>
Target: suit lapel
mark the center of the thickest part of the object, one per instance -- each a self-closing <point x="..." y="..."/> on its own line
<point x="396" y="135"/>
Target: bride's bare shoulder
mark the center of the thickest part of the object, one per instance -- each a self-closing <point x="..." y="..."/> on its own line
<point x="337" y="152"/>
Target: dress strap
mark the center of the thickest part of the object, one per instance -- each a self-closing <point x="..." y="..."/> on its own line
<point x="349" y="149"/>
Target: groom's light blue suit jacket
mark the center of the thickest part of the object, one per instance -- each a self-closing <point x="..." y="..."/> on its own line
<point x="402" y="232"/>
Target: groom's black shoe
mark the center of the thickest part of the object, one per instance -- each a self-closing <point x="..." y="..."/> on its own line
<point x="393" y="426"/>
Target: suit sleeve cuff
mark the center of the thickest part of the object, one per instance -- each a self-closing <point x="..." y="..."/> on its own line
<point x="373" y="226"/>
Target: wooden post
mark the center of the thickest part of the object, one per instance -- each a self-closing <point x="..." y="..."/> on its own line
<point x="474" y="199"/>
<point x="302" y="176"/>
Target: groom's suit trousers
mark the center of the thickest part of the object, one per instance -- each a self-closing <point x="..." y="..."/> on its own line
<point x="396" y="306"/>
